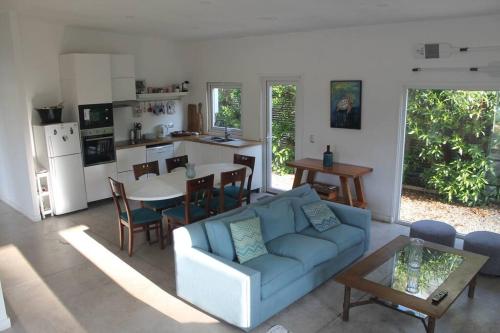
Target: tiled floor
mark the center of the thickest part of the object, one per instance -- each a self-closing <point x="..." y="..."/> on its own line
<point x="67" y="274"/>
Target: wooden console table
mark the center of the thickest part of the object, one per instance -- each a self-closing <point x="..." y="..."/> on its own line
<point x="344" y="171"/>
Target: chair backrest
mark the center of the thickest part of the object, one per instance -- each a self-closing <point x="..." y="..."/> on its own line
<point x="120" y="199"/>
<point x="145" y="169"/>
<point x="249" y="161"/>
<point x="232" y="177"/>
<point x="198" y="190"/>
<point x="176" y="162"/>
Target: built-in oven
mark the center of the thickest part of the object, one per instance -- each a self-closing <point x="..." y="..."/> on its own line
<point x="95" y="116"/>
<point x="98" y="146"/>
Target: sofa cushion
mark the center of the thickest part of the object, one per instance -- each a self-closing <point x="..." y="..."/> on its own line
<point x="247" y="239"/>
<point x="345" y="236"/>
<point x="301" y="220"/>
<point x="309" y="251"/>
<point x="219" y="235"/>
<point x="277" y="218"/>
<point x="320" y="215"/>
<point x="276" y="272"/>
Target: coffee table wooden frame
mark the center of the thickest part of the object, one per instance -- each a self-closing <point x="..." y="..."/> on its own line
<point x="457" y="281"/>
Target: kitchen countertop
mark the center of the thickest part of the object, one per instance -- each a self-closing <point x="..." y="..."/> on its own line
<point x="237" y="143"/>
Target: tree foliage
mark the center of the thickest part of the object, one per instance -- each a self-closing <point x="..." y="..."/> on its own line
<point x="229" y="113"/>
<point x="448" y="139"/>
<point x="283" y="127"/>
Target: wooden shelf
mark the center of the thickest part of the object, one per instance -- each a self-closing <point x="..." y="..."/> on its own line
<point x="160" y="96"/>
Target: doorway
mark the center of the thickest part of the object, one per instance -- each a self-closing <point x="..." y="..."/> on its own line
<point x="281" y="111"/>
<point x="451" y="164"/>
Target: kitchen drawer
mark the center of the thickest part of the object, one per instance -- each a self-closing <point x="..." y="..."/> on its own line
<point x="127" y="158"/>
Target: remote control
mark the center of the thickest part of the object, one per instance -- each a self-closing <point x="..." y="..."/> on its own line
<point x="439" y="296"/>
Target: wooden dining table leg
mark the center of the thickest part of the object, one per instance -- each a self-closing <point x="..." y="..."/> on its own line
<point x="297" y="180"/>
<point x="346" y="191"/>
<point x="360" y="193"/>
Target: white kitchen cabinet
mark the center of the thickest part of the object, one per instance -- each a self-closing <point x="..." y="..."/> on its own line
<point x="179" y="148"/>
<point x="96" y="181"/>
<point x="126" y="177"/>
<point x="122" y="65"/>
<point x="123" y="89"/>
<point x="127" y="158"/>
<point x="85" y="78"/>
<point x="123" y="77"/>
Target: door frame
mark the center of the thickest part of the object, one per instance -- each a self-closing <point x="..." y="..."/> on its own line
<point x="265" y="117"/>
<point x="401" y="137"/>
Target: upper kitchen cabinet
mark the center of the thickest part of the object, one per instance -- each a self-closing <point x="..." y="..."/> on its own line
<point x="123" y="77"/>
<point x="86" y="78"/>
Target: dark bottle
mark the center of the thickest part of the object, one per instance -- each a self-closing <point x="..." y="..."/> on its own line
<point x="327" y="157"/>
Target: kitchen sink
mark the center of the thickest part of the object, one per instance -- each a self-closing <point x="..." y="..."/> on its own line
<point x="219" y="139"/>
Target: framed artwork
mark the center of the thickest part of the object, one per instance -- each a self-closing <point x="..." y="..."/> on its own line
<point x="345" y="104"/>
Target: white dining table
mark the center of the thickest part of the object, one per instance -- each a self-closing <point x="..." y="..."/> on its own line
<point x="173" y="185"/>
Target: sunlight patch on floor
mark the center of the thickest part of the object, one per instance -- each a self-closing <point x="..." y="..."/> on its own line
<point x="14" y="265"/>
<point x="131" y="280"/>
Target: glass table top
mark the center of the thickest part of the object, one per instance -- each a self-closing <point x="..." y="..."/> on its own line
<point x="435" y="268"/>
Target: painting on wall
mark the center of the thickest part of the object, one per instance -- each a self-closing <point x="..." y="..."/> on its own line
<point x="345" y="104"/>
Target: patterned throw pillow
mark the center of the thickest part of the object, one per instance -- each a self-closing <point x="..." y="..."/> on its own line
<point x="320" y="215"/>
<point x="247" y="239"/>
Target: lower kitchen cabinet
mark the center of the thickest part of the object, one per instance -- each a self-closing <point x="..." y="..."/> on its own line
<point x="127" y="176"/>
<point x="96" y="180"/>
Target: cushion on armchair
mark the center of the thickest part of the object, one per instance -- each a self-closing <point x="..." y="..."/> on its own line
<point x="276" y="272"/>
<point x="277" y="218"/>
<point x="309" y="251"/>
<point x="219" y="234"/>
<point x="320" y="215"/>
<point x="247" y="239"/>
<point x="343" y="235"/>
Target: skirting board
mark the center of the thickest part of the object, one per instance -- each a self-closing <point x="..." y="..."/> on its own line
<point x="4" y="320"/>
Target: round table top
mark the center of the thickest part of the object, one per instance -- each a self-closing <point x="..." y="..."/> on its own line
<point x="173" y="185"/>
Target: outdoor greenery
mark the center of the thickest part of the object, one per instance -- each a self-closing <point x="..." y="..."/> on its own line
<point x="283" y="127"/>
<point x="448" y="140"/>
<point x="229" y="113"/>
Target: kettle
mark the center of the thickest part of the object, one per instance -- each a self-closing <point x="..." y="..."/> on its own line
<point x="162" y="131"/>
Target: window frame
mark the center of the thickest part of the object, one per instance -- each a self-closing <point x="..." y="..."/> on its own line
<point x="211" y="126"/>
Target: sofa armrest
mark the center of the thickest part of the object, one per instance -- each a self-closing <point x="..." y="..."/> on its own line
<point x="356" y="217"/>
<point x="221" y="287"/>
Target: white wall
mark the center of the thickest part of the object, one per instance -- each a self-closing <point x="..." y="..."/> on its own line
<point x="380" y="55"/>
<point x="17" y="184"/>
<point x="156" y="61"/>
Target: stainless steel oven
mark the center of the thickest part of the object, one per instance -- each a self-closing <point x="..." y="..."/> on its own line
<point x="98" y="146"/>
<point x="95" y="116"/>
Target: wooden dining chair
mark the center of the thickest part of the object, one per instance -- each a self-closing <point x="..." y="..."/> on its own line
<point x="176" y="162"/>
<point x="223" y="202"/>
<point x="152" y="168"/>
<point x="135" y="220"/>
<point x="233" y="190"/>
<point x="196" y="204"/>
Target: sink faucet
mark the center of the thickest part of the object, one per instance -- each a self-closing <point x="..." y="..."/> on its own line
<point x="226" y="133"/>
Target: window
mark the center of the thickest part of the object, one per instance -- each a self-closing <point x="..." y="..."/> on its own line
<point x="224" y="101"/>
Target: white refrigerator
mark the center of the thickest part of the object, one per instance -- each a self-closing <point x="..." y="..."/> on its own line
<point x="58" y="150"/>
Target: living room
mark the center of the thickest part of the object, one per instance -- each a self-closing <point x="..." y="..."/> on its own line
<point x="245" y="44"/>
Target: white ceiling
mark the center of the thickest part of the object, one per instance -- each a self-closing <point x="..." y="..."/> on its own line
<point x="205" y="19"/>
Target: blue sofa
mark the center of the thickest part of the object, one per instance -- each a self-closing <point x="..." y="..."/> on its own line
<point x="300" y="258"/>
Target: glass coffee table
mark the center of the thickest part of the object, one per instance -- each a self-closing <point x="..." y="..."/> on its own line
<point x="385" y="274"/>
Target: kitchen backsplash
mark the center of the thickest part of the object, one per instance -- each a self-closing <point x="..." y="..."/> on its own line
<point x="124" y="118"/>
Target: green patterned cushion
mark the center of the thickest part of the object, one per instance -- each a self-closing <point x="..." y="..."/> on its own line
<point x="320" y="215"/>
<point x="247" y="239"/>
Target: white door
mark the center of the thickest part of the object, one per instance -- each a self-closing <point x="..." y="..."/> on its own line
<point x="68" y="185"/>
<point x="281" y="106"/>
<point x="63" y="139"/>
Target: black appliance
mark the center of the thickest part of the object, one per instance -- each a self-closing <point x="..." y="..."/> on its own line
<point x="98" y="146"/>
<point x="95" y="116"/>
